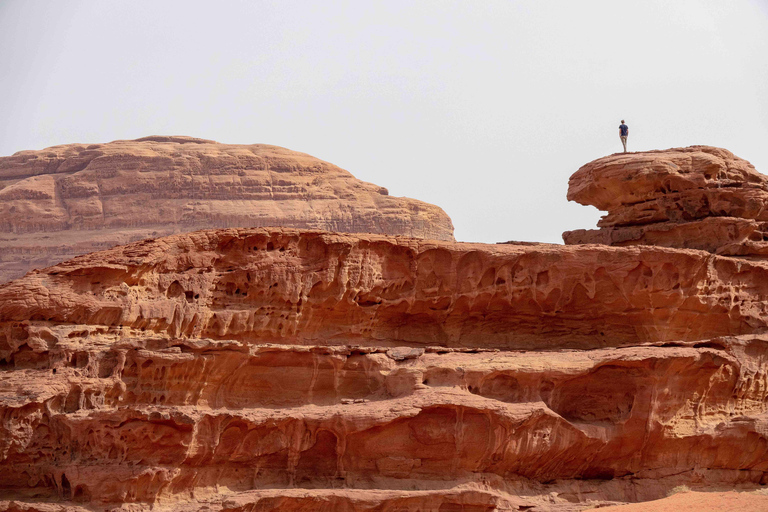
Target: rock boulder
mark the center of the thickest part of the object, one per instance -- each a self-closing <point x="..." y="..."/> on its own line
<point x="698" y="197"/>
<point x="73" y="199"/>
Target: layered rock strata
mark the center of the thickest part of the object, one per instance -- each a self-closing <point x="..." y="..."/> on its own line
<point x="256" y="369"/>
<point x="698" y="197"/>
<point x="73" y="199"/>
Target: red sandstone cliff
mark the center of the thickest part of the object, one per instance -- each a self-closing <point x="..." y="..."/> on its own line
<point x="73" y="199"/>
<point x="279" y="369"/>
<point x="255" y="369"/>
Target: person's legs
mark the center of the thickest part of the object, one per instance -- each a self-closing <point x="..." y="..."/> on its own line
<point x="624" y="142"/>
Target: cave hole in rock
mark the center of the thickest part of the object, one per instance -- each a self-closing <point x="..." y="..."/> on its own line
<point x="72" y="402"/>
<point x="25" y="358"/>
<point x="714" y="344"/>
<point x="320" y="459"/>
<point x="79" y="359"/>
<point x="174" y="290"/>
<point x="500" y="386"/>
<point x="442" y="377"/>
<point x="49" y="338"/>
<point x="605" y="395"/>
<point x="81" y="494"/>
<point x="545" y="390"/>
<point x="599" y="474"/>
<point x="107" y="364"/>
<point x="66" y="488"/>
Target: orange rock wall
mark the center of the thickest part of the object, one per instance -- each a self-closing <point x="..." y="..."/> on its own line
<point x="257" y="369"/>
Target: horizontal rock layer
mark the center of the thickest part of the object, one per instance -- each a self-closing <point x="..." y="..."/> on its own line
<point x="698" y="197"/>
<point x="73" y="199"/>
<point x="258" y="369"/>
<point x="286" y="286"/>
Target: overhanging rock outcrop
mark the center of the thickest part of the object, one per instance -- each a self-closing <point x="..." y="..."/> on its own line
<point x="275" y="369"/>
<point x="77" y="198"/>
<point x="698" y="197"/>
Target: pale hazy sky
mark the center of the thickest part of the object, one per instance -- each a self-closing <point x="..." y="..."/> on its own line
<point x="484" y="108"/>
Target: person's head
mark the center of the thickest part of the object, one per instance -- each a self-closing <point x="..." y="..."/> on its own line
<point x="622" y="121"/>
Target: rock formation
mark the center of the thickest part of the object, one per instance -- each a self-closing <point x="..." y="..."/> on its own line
<point x="73" y="199"/>
<point x="698" y="197"/>
<point x="276" y="369"/>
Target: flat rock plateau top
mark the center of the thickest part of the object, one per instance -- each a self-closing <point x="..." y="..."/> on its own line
<point x="282" y="369"/>
<point x="78" y="198"/>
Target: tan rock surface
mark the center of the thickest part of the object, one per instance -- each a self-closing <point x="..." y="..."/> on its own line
<point x="701" y="502"/>
<point x="263" y="369"/>
<point x="698" y="197"/>
<point x="73" y="199"/>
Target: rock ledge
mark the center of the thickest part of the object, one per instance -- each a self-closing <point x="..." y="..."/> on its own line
<point x="698" y="197"/>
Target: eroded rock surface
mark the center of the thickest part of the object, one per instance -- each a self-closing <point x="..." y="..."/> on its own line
<point x="698" y="197"/>
<point x="77" y="198"/>
<point x="256" y="369"/>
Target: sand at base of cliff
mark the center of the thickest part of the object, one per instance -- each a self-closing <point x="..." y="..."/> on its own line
<point x="700" y="502"/>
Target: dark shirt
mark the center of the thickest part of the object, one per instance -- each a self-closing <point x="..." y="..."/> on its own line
<point x="623" y="130"/>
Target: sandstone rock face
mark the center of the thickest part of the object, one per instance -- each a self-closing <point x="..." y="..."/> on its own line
<point x="698" y="198"/>
<point x="69" y="200"/>
<point x="266" y="369"/>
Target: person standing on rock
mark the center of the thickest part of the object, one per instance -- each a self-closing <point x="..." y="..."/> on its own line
<point x="623" y="134"/>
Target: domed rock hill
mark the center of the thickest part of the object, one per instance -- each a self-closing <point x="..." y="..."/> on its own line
<point x="698" y="197"/>
<point x="278" y="369"/>
<point x="73" y="199"/>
